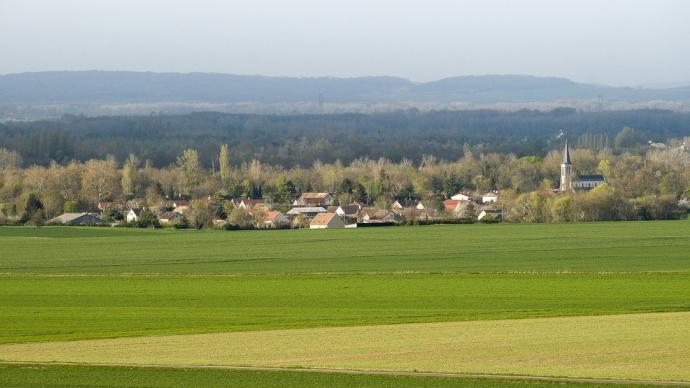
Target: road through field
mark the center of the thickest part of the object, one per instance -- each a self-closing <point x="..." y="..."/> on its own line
<point x="629" y="347"/>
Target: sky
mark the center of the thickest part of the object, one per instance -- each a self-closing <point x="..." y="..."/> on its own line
<point x="613" y="42"/>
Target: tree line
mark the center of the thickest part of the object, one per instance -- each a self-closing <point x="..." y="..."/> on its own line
<point x="648" y="184"/>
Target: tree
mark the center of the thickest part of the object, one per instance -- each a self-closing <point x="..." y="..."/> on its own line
<point x="242" y="219"/>
<point x="147" y="219"/>
<point x="110" y="214"/>
<point x="190" y="167"/>
<point x="9" y="159"/>
<point x="224" y="161"/>
<point x="452" y="185"/>
<point x="33" y="210"/>
<point x="285" y="192"/>
<point x="216" y="206"/>
<point x="627" y="138"/>
<point x="129" y="171"/>
<point x="469" y="211"/>
<point x="99" y="179"/>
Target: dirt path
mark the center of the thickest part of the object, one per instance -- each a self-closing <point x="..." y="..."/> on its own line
<point x="377" y="372"/>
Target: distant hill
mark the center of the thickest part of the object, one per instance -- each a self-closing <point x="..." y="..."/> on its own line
<point x="138" y="87"/>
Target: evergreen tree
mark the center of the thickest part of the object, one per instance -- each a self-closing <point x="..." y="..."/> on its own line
<point x="33" y="210"/>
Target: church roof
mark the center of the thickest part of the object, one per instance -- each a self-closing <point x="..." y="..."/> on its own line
<point x="566" y="153"/>
<point x="598" y="178"/>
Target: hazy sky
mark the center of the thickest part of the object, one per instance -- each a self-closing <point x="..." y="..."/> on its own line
<point x="599" y="41"/>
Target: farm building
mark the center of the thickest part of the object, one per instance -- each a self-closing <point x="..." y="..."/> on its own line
<point x="327" y="221"/>
<point x="77" y="219"/>
<point x="382" y="216"/>
<point x="309" y="212"/>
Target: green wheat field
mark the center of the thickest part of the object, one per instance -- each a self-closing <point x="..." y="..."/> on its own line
<point x="111" y="306"/>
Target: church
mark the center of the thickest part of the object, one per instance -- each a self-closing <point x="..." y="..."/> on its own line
<point x="581" y="182"/>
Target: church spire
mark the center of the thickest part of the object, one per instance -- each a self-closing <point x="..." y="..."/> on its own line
<point x="566" y="153"/>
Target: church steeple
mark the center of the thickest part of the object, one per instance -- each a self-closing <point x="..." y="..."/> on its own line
<point x="566" y="170"/>
<point x="566" y="153"/>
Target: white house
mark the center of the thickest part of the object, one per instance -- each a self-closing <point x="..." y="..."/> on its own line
<point x="490" y="197"/>
<point x="133" y="215"/>
<point x="248" y="204"/>
<point x="461" y="197"/>
<point x="327" y="221"/>
<point x="351" y="211"/>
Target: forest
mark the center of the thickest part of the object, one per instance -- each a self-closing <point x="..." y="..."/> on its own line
<point x="301" y="140"/>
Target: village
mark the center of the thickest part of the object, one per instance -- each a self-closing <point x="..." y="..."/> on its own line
<point x="311" y="210"/>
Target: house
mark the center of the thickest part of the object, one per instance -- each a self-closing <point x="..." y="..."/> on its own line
<point x="170" y="217"/>
<point x="408" y="204"/>
<point x="327" y="221"/>
<point x="456" y="207"/>
<point x="248" y="204"/>
<point x="314" y="199"/>
<point x="452" y="205"/>
<point x="349" y="211"/>
<point x="133" y="214"/>
<point x="494" y="213"/>
<point x="462" y="197"/>
<point x="275" y="219"/>
<point x="77" y="219"/>
<point x="382" y="216"/>
<point x="182" y="209"/>
<point x="180" y="202"/>
<point x="308" y="211"/>
<point x="490" y="197"/>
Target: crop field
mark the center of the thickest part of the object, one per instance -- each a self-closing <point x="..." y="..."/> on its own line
<point x="154" y="307"/>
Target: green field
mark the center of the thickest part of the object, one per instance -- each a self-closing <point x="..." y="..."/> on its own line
<point x="74" y="307"/>
<point x="594" y="247"/>
<point x="63" y="283"/>
<point x="104" y="376"/>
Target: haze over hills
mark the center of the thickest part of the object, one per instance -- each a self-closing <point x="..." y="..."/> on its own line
<point x="28" y="96"/>
<point x="120" y="86"/>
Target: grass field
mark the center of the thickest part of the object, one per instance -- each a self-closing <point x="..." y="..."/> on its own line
<point x="75" y="307"/>
<point x="610" y="247"/>
<point x="159" y="287"/>
<point x="640" y="346"/>
<point x="104" y="376"/>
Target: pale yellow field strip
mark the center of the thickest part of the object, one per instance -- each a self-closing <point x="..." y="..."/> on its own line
<point x="638" y="347"/>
